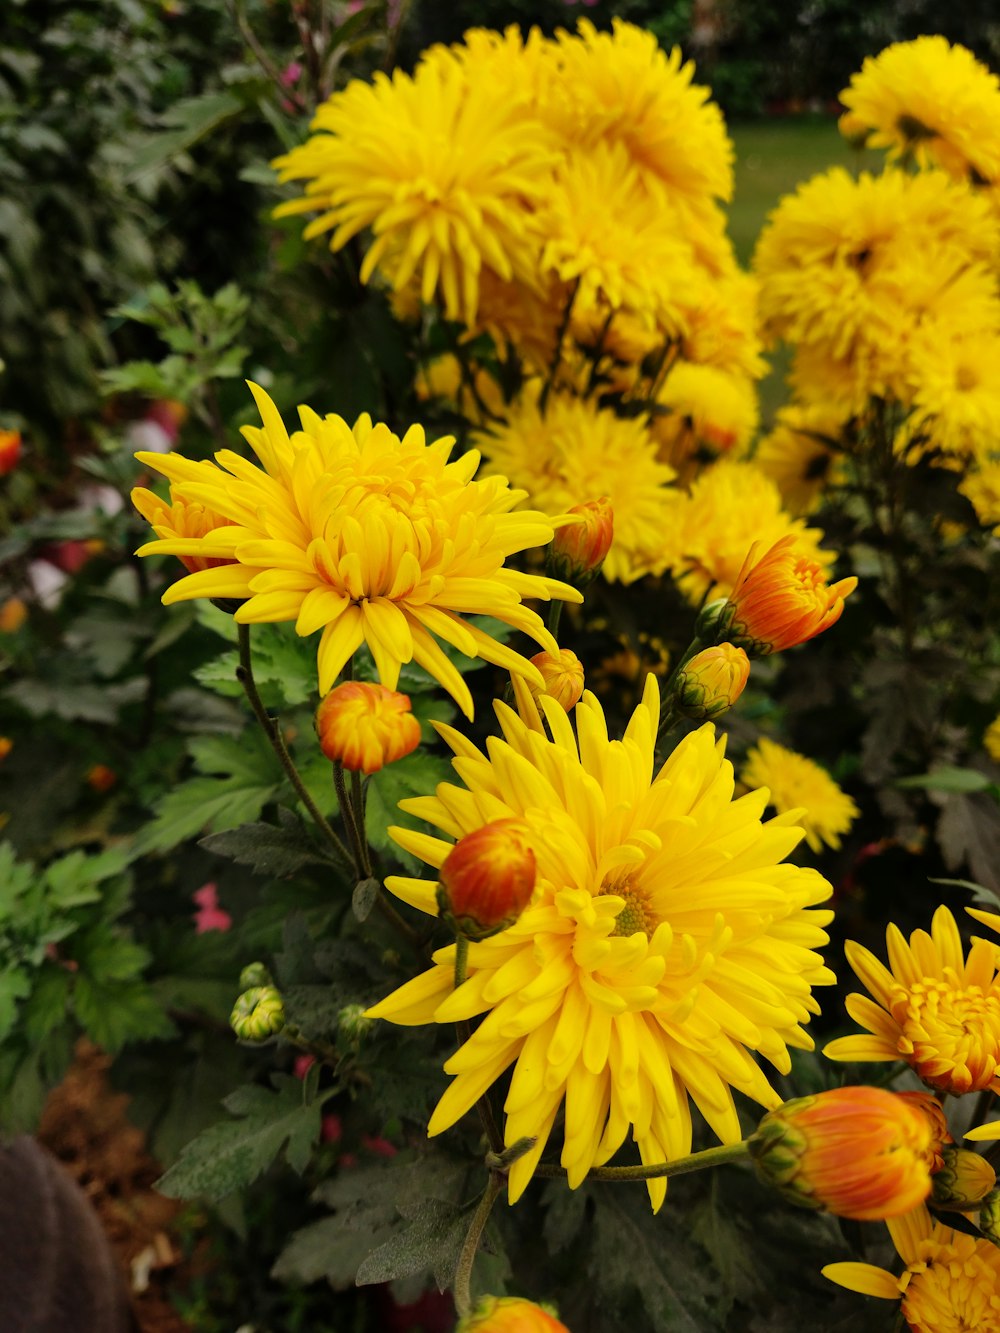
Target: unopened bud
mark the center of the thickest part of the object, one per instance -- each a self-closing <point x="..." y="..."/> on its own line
<point x="964" y="1181"/>
<point x="579" y="549"/>
<point x="711" y="682"/>
<point x="510" y="1314"/>
<point x="101" y="778"/>
<point x="487" y="879"/>
<point x="563" y="676"/>
<point x="989" y="1217"/>
<point x="258" y="1014"/>
<point x="364" y="726"/>
<point x="255" y="974"/>
<point x="858" y="1152"/>
<point x="352" y="1024"/>
<point x="10" y="450"/>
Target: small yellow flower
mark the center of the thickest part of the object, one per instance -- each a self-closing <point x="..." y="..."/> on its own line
<point x="794" y="782"/>
<point x="562" y="673"/>
<point x="991" y="739"/>
<point x="711" y="682"/>
<point x="13" y="614"/>
<point x="365" y="726"/>
<point x="936" y="1009"/>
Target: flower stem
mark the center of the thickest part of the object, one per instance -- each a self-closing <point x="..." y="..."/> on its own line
<point x="463" y="1272"/>
<point x="557" y="354"/>
<point x="461" y="959"/>
<point x="555" y="613"/>
<point x="244" y="674"/>
<point x="680" y="1166"/>
<point x="347" y="814"/>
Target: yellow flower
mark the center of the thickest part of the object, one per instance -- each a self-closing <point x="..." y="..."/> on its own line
<point x="991" y="739"/>
<point x="721" y="324"/>
<point x="706" y="408"/>
<point x="192" y="529"/>
<point x="578" y="450"/>
<point x="444" y="172"/>
<point x="562" y="673"/>
<point x="956" y="394"/>
<point x="473" y="396"/>
<point x="666" y="941"/>
<point x="982" y="489"/>
<point x="522" y="315"/>
<point x="711" y="682"/>
<point x="795" y="784"/>
<point x="731" y="505"/>
<point x="799" y="456"/>
<point x="364" y="726"/>
<point x="931" y="102"/>
<point x="371" y="538"/>
<point x="936" y="1009"/>
<point x="951" y="1283"/>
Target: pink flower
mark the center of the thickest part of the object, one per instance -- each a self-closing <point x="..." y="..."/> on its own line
<point x="331" y="1130"/>
<point x="303" y="1064"/>
<point x="210" y="915"/>
<point x="381" y="1147"/>
<point x="291" y="74"/>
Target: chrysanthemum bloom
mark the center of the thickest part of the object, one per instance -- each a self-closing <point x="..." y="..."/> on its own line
<point x="991" y="739"/>
<point x="712" y="681"/>
<point x="982" y="489"/>
<point x="510" y="1314"/>
<point x="365" y="726"/>
<point x="795" y="783"/>
<point x="956" y="398"/>
<point x="580" y="549"/>
<point x="10" y="450"/>
<point x="781" y="598"/>
<point x="951" y="1283"/>
<point x="706" y="408"/>
<point x="562" y="673"/>
<point x="857" y="1152"/>
<point x="446" y="174"/>
<point x="936" y="1009"/>
<point x="487" y="879"/>
<point x="721" y="327"/>
<point x="963" y="1181"/>
<point x="368" y="537"/>
<point x="188" y="526"/>
<point x="731" y="506"/>
<point x="666" y="942"/>
<point x="931" y="102"/>
<point x="473" y="395"/>
<point x="579" y="449"/>
<point x="799" y="453"/>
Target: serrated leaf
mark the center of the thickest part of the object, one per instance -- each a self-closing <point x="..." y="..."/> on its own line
<point x="268" y="849"/>
<point x="15" y="985"/>
<point x="231" y="1155"/>
<point x="429" y="1242"/>
<point x="116" y="1012"/>
<point x="968" y="832"/>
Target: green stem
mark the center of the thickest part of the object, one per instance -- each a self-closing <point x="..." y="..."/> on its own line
<point x="463" y="1272"/>
<point x="244" y="674"/>
<point x="557" y="353"/>
<point x="681" y="1166"/>
<point x="461" y="959"/>
<point x="555" y="613"/>
<point x="347" y="815"/>
<point x="358" y="804"/>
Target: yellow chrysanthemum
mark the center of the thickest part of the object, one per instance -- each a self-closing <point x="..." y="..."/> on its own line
<point x="799" y="456"/>
<point x="665" y="942"/>
<point x="368" y="537"/>
<point x="189" y="524"/>
<point x="524" y="316"/>
<point x="577" y="452"/>
<point x="956" y="392"/>
<point x="721" y="324"/>
<point x="982" y="489"/>
<point x="706" y="409"/>
<point x="445" y="173"/>
<point x="731" y="505"/>
<point x="936" y="1009"/>
<point x="798" y="785"/>
<point x="991" y="740"/>
<point x="951" y="1282"/>
<point x="474" y="393"/>
<point x="929" y="102"/>
<point x="624" y="88"/>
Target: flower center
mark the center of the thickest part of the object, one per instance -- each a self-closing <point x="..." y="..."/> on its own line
<point x="950" y="1035"/>
<point x="955" y="1293"/>
<point x="637" y="914"/>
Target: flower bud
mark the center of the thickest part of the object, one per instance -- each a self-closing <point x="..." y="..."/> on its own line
<point x="258" y="1014"/>
<point x="964" y="1181"/>
<point x="13" y="614"/>
<point x="711" y="682"/>
<point x="487" y="879"/>
<point x="780" y="598"/>
<point x="365" y="726"/>
<point x="989" y="1217"/>
<point x="10" y="450"/>
<point x="100" y="778"/>
<point x="563" y="676"/>
<point x="579" y="549"/>
<point x="352" y="1024"/>
<point x="255" y="974"/>
<point x="6" y="745"/>
<point x="859" y="1152"/>
<point x="510" y="1314"/>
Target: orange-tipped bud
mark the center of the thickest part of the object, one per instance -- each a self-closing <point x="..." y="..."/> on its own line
<point x="6" y="745"/>
<point x="365" y="726"/>
<point x="510" y="1314"/>
<point x="579" y="549"/>
<point x="13" y="614"/>
<point x="10" y="450"/>
<point x="563" y="676"/>
<point x="101" y="778"/>
<point x="964" y="1180"/>
<point x="858" y="1152"/>
<point x="487" y="879"/>
<point x="780" y="598"/>
<point x="927" y="1104"/>
<point x="711" y="682"/>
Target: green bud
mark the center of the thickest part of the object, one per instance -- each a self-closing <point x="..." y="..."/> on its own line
<point x="258" y="1014"/>
<point x="255" y="974"/>
<point x="352" y="1024"/>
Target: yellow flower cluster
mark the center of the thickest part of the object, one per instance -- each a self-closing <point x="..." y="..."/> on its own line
<point x="563" y="195"/>
<point x="794" y="783"/>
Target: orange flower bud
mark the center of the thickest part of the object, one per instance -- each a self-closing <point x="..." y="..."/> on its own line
<point x="101" y="778"/>
<point x="928" y="1105"/>
<point x="579" y="549"/>
<point x="711" y="682"/>
<point x="364" y="725"/>
<point x="10" y="450"/>
<point x="510" y="1314"/>
<point x="563" y="676"/>
<point x="13" y="614"/>
<point x="858" y="1152"/>
<point x="487" y="879"/>
<point x="6" y="745"/>
<point x="780" y="598"/>
<point x="964" y="1180"/>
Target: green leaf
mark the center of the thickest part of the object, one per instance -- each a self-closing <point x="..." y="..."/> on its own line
<point x="950" y="779"/>
<point x="364" y="897"/>
<point x="231" y="1155"/>
<point x="429" y="1242"/>
<point x="980" y="893"/>
<point x="268" y="849"/>
<point x="416" y="775"/>
<point x="14" y="986"/>
<point x="116" y="1012"/>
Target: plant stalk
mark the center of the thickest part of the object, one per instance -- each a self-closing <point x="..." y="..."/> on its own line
<point x="681" y="1166"/>
<point x="463" y="1272"/>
